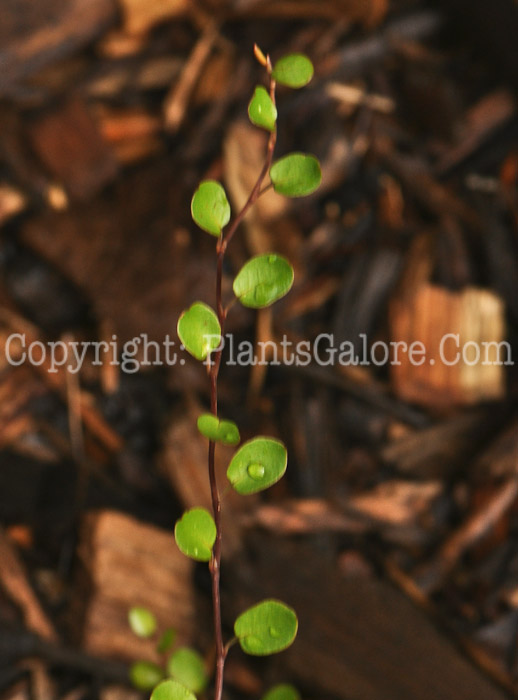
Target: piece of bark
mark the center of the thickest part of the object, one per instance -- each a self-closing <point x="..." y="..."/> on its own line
<point x="357" y="642"/>
<point x="70" y="145"/>
<point x="139" y="283"/>
<point x="359" y="56"/>
<point x="446" y="330"/>
<point x="217" y="76"/>
<point x="18" y="691"/>
<point x="369" y="426"/>
<point x="87" y="413"/>
<point x="16" y="157"/>
<point x="118" y="43"/>
<point x="33" y="34"/>
<point x="370" y="392"/>
<point x="351" y="95"/>
<point x="499" y="460"/>
<point x="56" y="79"/>
<point x="119" y="692"/>
<point x="370" y="13"/>
<point x="141" y="15"/>
<point x="177" y="100"/>
<point x="14" y="430"/>
<point x="311" y="296"/>
<point x="438" y="451"/>
<point x="366" y="286"/>
<point x="482" y="120"/>
<point x="43" y="686"/>
<point x="16" y="643"/>
<point x="14" y="581"/>
<point x="501" y="262"/>
<point x="393" y="510"/>
<point x="415" y="177"/>
<point x="302" y="516"/>
<point x="126" y="563"/>
<point x="133" y="134"/>
<point x="113" y="78"/>
<point x="79" y="691"/>
<point x="479" y="524"/>
<point x="397" y="502"/>
<point x="12" y="202"/>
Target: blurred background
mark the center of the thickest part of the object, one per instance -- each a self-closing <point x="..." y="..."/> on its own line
<point x="394" y="533"/>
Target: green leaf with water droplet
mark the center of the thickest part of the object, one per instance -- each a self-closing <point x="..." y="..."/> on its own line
<point x="282" y="691"/>
<point x="266" y="628"/>
<point x="187" y="667"/>
<point x="142" y="621"/>
<point x="145" y="675"/>
<point x="210" y="208"/>
<point x="218" y="429"/>
<point x="261" y="110"/>
<point x="263" y="280"/>
<point x="296" y="175"/>
<point x="195" y="534"/>
<point x="166" y="640"/>
<point x="257" y="464"/>
<point x="294" y="70"/>
<point x="171" y="690"/>
<point x="199" y="330"/>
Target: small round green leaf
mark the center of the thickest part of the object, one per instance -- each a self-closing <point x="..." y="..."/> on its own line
<point x="266" y="628"/>
<point x="296" y="175"/>
<point x="257" y="464"/>
<point x="295" y="70"/>
<point x="166" y="641"/>
<point x="187" y="667"/>
<point x="210" y="208"/>
<point x="195" y="534"/>
<point x="145" y="675"/>
<point x="218" y="429"/>
<point x="283" y="691"/>
<point x="171" y="690"/>
<point x="142" y="622"/>
<point x="263" y="280"/>
<point x="261" y="110"/>
<point x="199" y="330"/>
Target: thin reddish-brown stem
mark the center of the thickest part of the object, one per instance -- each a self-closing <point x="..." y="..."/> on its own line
<point x="215" y="564"/>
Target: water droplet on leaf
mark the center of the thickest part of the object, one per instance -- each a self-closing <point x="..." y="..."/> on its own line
<point x="272" y="258"/>
<point x="255" y="471"/>
<point x="274" y="632"/>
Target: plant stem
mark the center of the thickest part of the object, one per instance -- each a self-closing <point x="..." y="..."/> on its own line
<point x="215" y="564"/>
<point x="256" y="191"/>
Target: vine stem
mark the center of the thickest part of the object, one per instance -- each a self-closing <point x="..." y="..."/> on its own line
<point x="215" y="563"/>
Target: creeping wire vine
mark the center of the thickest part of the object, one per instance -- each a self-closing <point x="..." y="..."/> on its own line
<point x="269" y="626"/>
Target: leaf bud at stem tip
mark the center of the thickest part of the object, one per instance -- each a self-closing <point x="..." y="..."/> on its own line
<point x="260" y="55"/>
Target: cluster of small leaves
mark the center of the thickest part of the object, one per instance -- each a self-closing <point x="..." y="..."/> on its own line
<point x="265" y="278"/>
<point x="183" y="667"/>
<point x="269" y="626"/>
<point x="173" y="690"/>
<point x="183" y="675"/>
